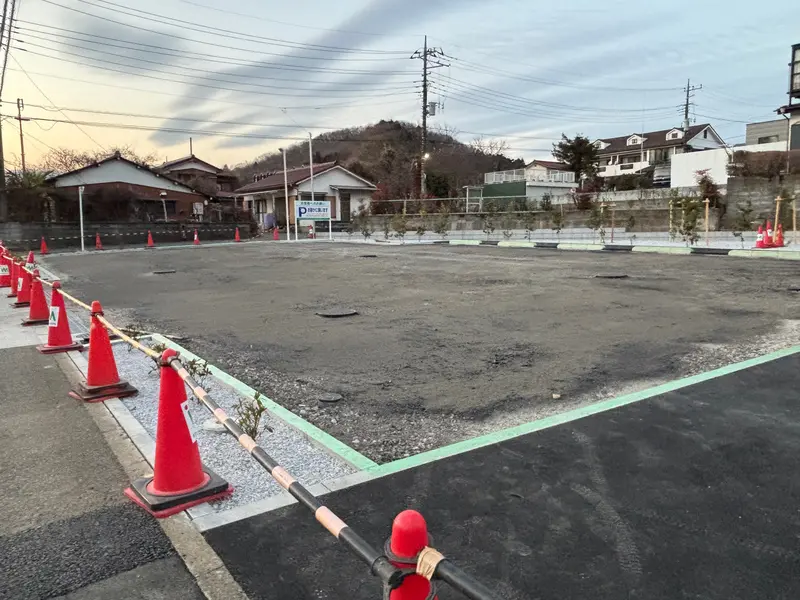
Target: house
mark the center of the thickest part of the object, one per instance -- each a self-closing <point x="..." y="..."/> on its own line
<point x="346" y="191"/>
<point x="791" y="112"/>
<point x="767" y="132"/>
<point x="537" y="179"/>
<point x="192" y="170"/>
<point x="638" y="151"/>
<point x="149" y="194"/>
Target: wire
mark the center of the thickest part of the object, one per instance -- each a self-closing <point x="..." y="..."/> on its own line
<point x="14" y="8"/>
<point x="191" y="83"/>
<point x="206" y="29"/>
<point x="466" y="86"/>
<point x="231" y="102"/>
<point x="478" y="68"/>
<point x="139" y="47"/>
<point x="144" y="116"/>
<point x="259" y="18"/>
<point x="46" y="97"/>
<point x="206" y="77"/>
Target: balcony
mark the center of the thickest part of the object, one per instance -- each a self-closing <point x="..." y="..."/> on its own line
<point x="531" y="177"/>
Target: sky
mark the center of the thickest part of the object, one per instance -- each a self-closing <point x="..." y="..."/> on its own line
<point x="248" y="80"/>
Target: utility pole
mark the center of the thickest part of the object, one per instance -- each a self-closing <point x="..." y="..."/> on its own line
<point x="431" y="59"/>
<point x="3" y="193"/>
<point x="20" y="106"/>
<point x="689" y="89"/>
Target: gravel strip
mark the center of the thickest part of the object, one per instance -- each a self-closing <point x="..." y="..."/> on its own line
<point x="219" y="451"/>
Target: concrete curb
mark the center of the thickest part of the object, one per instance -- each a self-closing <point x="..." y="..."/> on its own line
<point x="207" y="568"/>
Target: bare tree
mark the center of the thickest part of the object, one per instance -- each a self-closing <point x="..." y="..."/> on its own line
<point x="63" y="160"/>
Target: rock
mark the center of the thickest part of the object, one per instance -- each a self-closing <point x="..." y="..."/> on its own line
<point x="330" y="397"/>
<point x="302" y="381"/>
<point x="556" y="396"/>
<point x="213" y="426"/>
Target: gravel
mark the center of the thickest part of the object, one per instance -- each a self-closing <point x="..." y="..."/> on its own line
<point x="219" y="451"/>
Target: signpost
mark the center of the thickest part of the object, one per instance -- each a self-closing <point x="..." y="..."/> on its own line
<point x="80" y="210"/>
<point x="313" y="210"/>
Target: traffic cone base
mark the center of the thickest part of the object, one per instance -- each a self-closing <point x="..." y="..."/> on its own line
<point x="30" y="322"/>
<point x="46" y="349"/>
<point x="161" y="506"/>
<point x="101" y="393"/>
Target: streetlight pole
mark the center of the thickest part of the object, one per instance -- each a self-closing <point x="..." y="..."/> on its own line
<point x="286" y="198"/>
<point x="80" y="212"/>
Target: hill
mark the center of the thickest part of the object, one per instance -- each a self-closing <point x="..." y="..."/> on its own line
<point x="386" y="153"/>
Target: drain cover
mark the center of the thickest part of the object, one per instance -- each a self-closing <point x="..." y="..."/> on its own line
<point x="368" y="256"/>
<point x="611" y="276"/>
<point x="164" y="272"/>
<point x="337" y="313"/>
<point x="794" y="288"/>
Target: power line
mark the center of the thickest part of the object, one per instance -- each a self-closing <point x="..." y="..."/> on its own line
<point x="191" y="83"/>
<point x="7" y="27"/>
<point x="179" y="73"/>
<point x="215" y="100"/>
<point x="170" y="52"/>
<point x="225" y="11"/>
<point x="46" y="97"/>
<point x="151" y="17"/>
<point x="484" y="69"/>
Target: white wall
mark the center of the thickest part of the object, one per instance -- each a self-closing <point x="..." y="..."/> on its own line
<point x="334" y="177"/>
<point x="684" y="167"/>
<point x="699" y="141"/>
<point x="118" y="171"/>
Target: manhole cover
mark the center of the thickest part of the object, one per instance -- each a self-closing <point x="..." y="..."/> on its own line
<point x="611" y="276"/>
<point x="369" y="256"/>
<point x="164" y="272"/>
<point x="794" y="288"/>
<point x="337" y="313"/>
<point x="330" y="397"/>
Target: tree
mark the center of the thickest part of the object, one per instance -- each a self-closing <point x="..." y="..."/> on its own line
<point x="579" y="153"/>
<point x="62" y="160"/>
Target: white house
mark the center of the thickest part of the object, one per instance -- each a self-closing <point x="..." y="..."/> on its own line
<point x="540" y="177"/>
<point x="265" y="197"/>
<point x="638" y="151"/>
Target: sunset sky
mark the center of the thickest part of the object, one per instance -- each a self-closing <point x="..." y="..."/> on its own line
<point x="266" y="73"/>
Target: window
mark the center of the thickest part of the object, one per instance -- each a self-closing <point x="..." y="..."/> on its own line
<point x="633" y="140"/>
<point x="768" y="139"/>
<point x="705" y="134"/>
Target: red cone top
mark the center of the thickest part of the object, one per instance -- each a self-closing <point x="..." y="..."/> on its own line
<point x="31" y="260"/>
<point x="177" y="468"/>
<point x="409" y="534"/>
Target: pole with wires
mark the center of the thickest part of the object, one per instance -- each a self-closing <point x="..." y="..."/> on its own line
<point x="20" y="106"/>
<point x="286" y="198"/>
<point x="3" y="195"/>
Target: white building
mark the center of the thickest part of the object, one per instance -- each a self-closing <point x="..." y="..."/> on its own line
<point x="540" y="177"/>
<point x="265" y="197"/>
<point x="638" y="151"/>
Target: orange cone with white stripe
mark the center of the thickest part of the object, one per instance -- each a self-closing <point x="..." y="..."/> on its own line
<point x="102" y="378"/>
<point x="38" y="313"/>
<point x="98" y="245"/>
<point x="59" y="336"/>
<point x="179" y="479"/>
<point x="23" y="288"/>
<point x="150" y="243"/>
<point x="13" y="269"/>
<point x="5" y="269"/>
<point x="196" y="238"/>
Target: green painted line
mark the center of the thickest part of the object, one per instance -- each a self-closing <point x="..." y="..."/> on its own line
<point x="572" y="415"/>
<point x="512" y="244"/>
<point x="337" y="447"/>
<point x="575" y="246"/>
<point x="741" y="253"/>
<point x="788" y="254"/>
<point x="662" y="249"/>
<point x="465" y="242"/>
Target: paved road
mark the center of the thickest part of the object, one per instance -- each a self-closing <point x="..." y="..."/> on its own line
<point x="67" y="530"/>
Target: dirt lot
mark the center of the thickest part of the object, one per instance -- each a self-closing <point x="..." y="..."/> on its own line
<point x="449" y="342"/>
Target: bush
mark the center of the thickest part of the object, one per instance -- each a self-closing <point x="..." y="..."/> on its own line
<point x="441" y="225"/>
<point x="400" y="225"/>
<point x="547" y="202"/>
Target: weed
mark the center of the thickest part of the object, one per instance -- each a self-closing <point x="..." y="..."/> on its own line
<point x="249" y="413"/>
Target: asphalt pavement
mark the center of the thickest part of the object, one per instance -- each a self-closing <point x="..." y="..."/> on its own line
<point x="67" y="530"/>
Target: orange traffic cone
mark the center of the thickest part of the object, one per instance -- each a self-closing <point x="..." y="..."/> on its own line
<point x="409" y="538"/>
<point x="13" y="269"/>
<point x="59" y="337"/>
<point x="98" y="245"/>
<point x="768" y="235"/>
<point x="102" y="378"/>
<point x="43" y="247"/>
<point x="23" y="288"/>
<point x="179" y="479"/>
<point x="760" y="237"/>
<point x="779" y="241"/>
<point x="38" y="314"/>
<point x="5" y="270"/>
<point x="196" y="238"/>
<point x="150" y="243"/>
<point x="311" y="232"/>
<point x="30" y="262"/>
<point x="236" y="237"/>
<point x="276" y="234"/>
